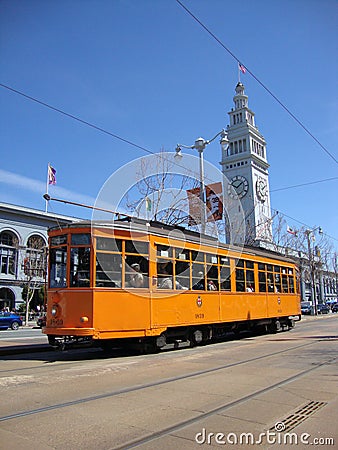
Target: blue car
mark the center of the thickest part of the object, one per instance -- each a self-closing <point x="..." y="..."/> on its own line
<point x="10" y="320"/>
<point x="322" y="308"/>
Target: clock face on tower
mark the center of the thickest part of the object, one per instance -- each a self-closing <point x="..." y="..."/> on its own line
<point x="238" y="186"/>
<point x="261" y="189"/>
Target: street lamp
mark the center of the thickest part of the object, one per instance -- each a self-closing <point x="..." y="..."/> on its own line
<point x="312" y="266"/>
<point x="200" y="145"/>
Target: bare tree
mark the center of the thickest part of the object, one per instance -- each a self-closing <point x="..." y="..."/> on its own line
<point x="34" y="267"/>
<point x="163" y="193"/>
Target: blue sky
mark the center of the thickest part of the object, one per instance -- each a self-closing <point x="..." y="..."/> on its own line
<point x="146" y="71"/>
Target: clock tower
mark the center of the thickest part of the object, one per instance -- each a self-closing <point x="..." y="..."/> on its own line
<point x="245" y="166"/>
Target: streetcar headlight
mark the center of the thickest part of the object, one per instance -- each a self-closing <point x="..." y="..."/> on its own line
<point x="54" y="310"/>
<point x="84" y="319"/>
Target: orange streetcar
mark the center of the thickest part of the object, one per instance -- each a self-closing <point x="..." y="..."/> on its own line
<point x="135" y="283"/>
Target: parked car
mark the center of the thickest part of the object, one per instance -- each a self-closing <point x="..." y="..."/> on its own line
<point x="306" y="308"/>
<point x="41" y="320"/>
<point x="322" y="308"/>
<point x="334" y="307"/>
<point x="10" y="320"/>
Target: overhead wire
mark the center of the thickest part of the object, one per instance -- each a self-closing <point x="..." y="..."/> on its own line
<point x="127" y="141"/>
<point x="85" y="122"/>
<point x="303" y="184"/>
<point x="258" y="81"/>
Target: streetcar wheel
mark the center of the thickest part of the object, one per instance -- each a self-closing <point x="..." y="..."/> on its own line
<point x="196" y="338"/>
<point x="148" y="347"/>
<point x="291" y="324"/>
<point x="274" y="327"/>
<point x="51" y="341"/>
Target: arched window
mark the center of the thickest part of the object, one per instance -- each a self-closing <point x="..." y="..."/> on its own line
<point x="8" y="252"/>
<point x="35" y="242"/>
<point x="7" y="299"/>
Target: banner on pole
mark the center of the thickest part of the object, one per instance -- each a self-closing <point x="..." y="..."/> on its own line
<point x="214" y="202"/>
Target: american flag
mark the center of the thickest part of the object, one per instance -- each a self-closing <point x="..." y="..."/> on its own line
<point x="241" y="68"/>
<point x="51" y="175"/>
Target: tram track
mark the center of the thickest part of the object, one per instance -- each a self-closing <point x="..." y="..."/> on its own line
<point x="162" y="382"/>
<point x="219" y="409"/>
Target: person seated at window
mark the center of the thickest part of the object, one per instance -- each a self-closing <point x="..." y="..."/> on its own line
<point x="249" y="288"/>
<point x="136" y="278"/>
<point x="212" y="286"/>
<point x="179" y="286"/>
<point x="166" y="280"/>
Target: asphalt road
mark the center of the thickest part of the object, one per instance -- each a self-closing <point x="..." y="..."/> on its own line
<point x="27" y="340"/>
<point x="185" y="399"/>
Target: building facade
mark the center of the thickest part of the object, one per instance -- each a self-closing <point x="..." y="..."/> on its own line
<point x="23" y="249"/>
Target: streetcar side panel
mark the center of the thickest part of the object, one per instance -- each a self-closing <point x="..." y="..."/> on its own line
<point x="121" y="313"/>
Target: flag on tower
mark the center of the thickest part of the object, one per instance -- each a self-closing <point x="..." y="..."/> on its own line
<point x="51" y="175"/>
<point x="241" y="68"/>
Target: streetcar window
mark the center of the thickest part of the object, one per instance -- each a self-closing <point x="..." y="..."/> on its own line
<point x="165" y="251"/>
<point x="137" y="247"/>
<point x="182" y="272"/>
<point x="240" y="280"/>
<point x="249" y="264"/>
<point x="164" y="274"/>
<point x="198" y="277"/>
<point x="261" y="266"/>
<point x="80" y="267"/>
<point x="285" y="283"/>
<point x="182" y="254"/>
<point x="240" y="263"/>
<point x="58" y="267"/>
<point x="58" y="240"/>
<point x="211" y="258"/>
<point x="109" y="244"/>
<point x="291" y="285"/>
<point x="108" y="270"/>
<point x="277" y="283"/>
<point x="80" y="239"/>
<point x="136" y="264"/>
<point x="197" y="256"/>
<point x="262" y="281"/>
<point x="249" y="281"/>
<point x="212" y="277"/>
<point x="225" y="278"/>
<point x="224" y="261"/>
